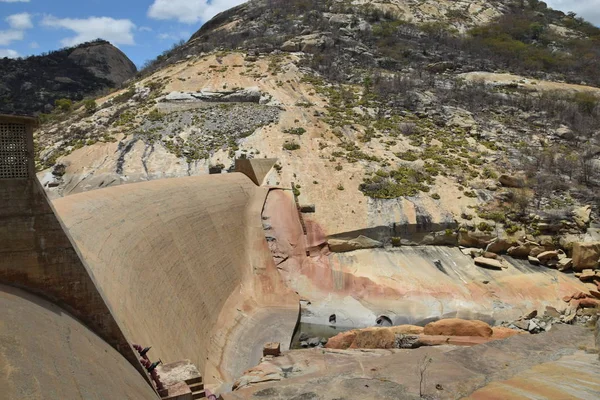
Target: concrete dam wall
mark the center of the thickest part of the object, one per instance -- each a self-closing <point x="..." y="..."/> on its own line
<point x="186" y="269"/>
<point x="45" y="353"/>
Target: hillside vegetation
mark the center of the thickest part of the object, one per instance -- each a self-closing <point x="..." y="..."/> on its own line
<point x="477" y="119"/>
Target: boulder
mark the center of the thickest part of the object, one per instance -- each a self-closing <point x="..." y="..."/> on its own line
<point x="407" y="330"/>
<point x="582" y="216"/>
<point x="474" y="239"/>
<point x="341" y="341"/>
<point x="546" y="256"/>
<point x="290" y="46"/>
<point x="534" y="327"/>
<point x="587" y="275"/>
<point x="500" y="332"/>
<point x="565" y="264"/>
<point x="374" y="338"/>
<point x="500" y="246"/>
<point x="533" y="260"/>
<point x="513" y="181"/>
<point x="458" y="327"/>
<point x="490" y="255"/>
<point x="589" y="303"/>
<point x="585" y="255"/>
<point x="340" y="19"/>
<point x="523" y="249"/>
<point x="488" y="263"/>
<point x="551" y="312"/>
<point x="361" y="242"/>
<point x="471" y="251"/>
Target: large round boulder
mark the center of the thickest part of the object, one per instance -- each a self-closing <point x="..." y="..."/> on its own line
<point x="374" y="338"/>
<point x="458" y="327"/>
<point x="586" y="255"/>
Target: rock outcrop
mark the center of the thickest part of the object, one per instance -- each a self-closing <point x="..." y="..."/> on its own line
<point x="31" y="85"/>
<point x="360" y="243"/>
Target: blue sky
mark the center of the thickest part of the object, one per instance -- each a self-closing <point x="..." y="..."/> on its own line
<point x="141" y="28"/>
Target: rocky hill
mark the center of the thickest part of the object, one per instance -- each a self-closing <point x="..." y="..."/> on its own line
<point x="32" y="85"/>
<point x="418" y="121"/>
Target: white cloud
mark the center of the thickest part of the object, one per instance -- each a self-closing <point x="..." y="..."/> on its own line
<point x="14" y="1"/>
<point x="7" y="37"/>
<point x="34" y="45"/>
<point x="174" y="36"/>
<point x="20" y="21"/>
<point x="145" y="29"/>
<point x="189" y="11"/>
<point x="8" y="53"/>
<point x="587" y="9"/>
<point x="116" y="31"/>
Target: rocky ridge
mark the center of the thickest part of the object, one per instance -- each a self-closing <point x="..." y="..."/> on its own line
<point x="32" y="85"/>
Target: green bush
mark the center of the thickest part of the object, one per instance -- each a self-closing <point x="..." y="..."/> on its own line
<point x="586" y="101"/>
<point x="489" y="173"/>
<point x="291" y="146"/>
<point x="404" y="181"/>
<point x="485" y="227"/>
<point x="295" y="131"/>
<point x="407" y="156"/>
<point x="63" y="105"/>
<point x="156" y="116"/>
<point x="125" y="96"/>
<point x="90" y="106"/>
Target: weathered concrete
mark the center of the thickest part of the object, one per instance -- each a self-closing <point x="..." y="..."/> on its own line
<point x="256" y="168"/>
<point x="186" y="268"/>
<point x="408" y="285"/>
<point x="45" y="353"/>
<point x="37" y="255"/>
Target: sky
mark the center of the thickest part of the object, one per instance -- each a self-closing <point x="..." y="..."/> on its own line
<point x="141" y="28"/>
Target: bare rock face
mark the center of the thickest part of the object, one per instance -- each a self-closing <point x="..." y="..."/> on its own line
<point x="361" y="242"/>
<point x="33" y="84"/>
<point x="458" y="327"/>
<point x="105" y="61"/>
<point x="585" y="255"/>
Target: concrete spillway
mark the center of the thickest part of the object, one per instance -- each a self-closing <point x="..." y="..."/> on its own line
<point x="185" y="268"/>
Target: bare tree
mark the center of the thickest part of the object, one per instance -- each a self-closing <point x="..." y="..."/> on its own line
<point x="423" y="365"/>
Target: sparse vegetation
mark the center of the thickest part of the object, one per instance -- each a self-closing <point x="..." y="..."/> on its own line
<point x="291" y="146"/>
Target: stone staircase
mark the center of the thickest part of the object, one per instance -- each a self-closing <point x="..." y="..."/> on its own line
<point x="197" y="387"/>
<point x="182" y="381"/>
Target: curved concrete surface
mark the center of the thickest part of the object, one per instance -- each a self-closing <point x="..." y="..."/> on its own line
<point x="45" y="353"/>
<point x="186" y="269"/>
<point x="408" y="285"/>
